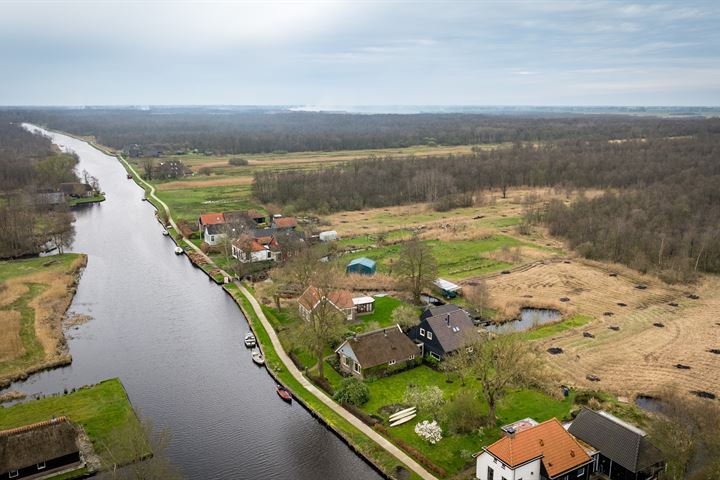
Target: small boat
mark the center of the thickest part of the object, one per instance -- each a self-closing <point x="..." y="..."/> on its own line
<point x="401" y="413"/>
<point x="284" y="393"/>
<point x="144" y="199"/>
<point x="250" y="340"/>
<point x="165" y="232"/>
<point x="257" y="356"/>
<point x="402" y="420"/>
<point x="179" y="251"/>
<point x="129" y="176"/>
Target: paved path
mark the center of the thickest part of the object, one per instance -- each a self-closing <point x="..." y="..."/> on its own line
<point x="287" y="362"/>
<point x="320" y="395"/>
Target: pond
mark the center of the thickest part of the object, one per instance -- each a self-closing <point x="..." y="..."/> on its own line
<point x="529" y="318"/>
<point x="649" y="403"/>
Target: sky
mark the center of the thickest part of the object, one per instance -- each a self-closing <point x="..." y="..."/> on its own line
<point x="359" y="52"/>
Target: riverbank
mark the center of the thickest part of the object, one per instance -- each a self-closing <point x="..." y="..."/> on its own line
<point x="35" y="294"/>
<point x="104" y="413"/>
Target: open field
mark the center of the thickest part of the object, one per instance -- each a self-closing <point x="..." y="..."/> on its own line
<point x="102" y="410"/>
<point x="640" y="357"/>
<point x="34" y="296"/>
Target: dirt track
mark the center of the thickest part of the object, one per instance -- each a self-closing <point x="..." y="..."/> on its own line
<point x="640" y="357"/>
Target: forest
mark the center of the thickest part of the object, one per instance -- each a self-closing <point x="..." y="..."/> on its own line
<point x="261" y="130"/>
<point x="29" y="167"/>
<point x="662" y="211"/>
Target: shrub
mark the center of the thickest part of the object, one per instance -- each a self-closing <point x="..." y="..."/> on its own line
<point x="323" y="384"/>
<point x="352" y="391"/>
<point x="405" y="316"/>
<point x="464" y="413"/>
<point x="429" y="431"/>
<point x="238" y="162"/>
<point x="431" y="361"/>
<point x="427" y="399"/>
<point x="205" y="171"/>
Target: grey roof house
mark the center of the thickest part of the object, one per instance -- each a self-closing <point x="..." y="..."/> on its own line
<point x="623" y="450"/>
<point x="377" y="352"/>
<point x="443" y="330"/>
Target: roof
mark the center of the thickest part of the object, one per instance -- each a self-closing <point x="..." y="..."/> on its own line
<point x="549" y="441"/>
<point x="215" y="228"/>
<point x="362" y="300"/>
<point x="39" y="442"/>
<point x="285" y="222"/>
<point x="432" y="310"/>
<point x="340" y="298"/>
<point x="381" y="346"/>
<point x="617" y="440"/>
<point x="446" y="285"/>
<point x="212" y="218"/>
<point x="452" y="329"/>
<point x="364" y="261"/>
<point x="246" y="243"/>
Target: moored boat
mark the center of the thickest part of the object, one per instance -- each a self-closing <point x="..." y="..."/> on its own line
<point x="257" y="356"/>
<point x="284" y="393"/>
<point x="250" y="340"/>
<point x="179" y="251"/>
<point x="401" y="420"/>
<point x="165" y="232"/>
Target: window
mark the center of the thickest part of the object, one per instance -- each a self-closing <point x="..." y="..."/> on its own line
<point x="41" y="466"/>
<point x="437" y="357"/>
<point x="429" y="335"/>
<point x="212" y="238"/>
<point x="470" y="350"/>
<point x="503" y="478"/>
<point x="345" y="360"/>
<point x="422" y="332"/>
<point x="391" y="362"/>
<point x="13" y="473"/>
<point x="581" y="472"/>
<point x="412" y="357"/>
<point x="356" y="367"/>
<point x="491" y="473"/>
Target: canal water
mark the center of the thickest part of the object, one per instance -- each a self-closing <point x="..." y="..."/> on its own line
<point x="175" y="339"/>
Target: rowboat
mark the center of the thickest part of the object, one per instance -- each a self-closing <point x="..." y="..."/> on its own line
<point x="179" y="251"/>
<point x="401" y="413"/>
<point x="250" y="340"/>
<point x="165" y="232"/>
<point x="283" y="393"/>
<point x="401" y="420"/>
<point x="258" y="356"/>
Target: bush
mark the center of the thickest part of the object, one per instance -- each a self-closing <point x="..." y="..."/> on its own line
<point x="464" y="413"/>
<point x="238" y="162"/>
<point x="405" y="316"/>
<point x="431" y="361"/>
<point x="352" y="391"/>
<point x="426" y="399"/>
<point x="323" y="384"/>
<point x="205" y="171"/>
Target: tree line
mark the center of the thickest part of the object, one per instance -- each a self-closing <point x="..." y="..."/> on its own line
<point x="663" y="215"/>
<point x="30" y="168"/>
<point x="236" y="131"/>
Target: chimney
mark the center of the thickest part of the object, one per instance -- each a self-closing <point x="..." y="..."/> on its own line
<point x="447" y="319"/>
<point x="510" y="432"/>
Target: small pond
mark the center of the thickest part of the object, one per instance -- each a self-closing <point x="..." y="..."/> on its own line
<point x="529" y="318"/>
<point x="649" y="403"/>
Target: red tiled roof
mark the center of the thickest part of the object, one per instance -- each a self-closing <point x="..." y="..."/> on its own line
<point x="212" y="219"/>
<point x="285" y="222"/>
<point x="339" y="298"/>
<point x="559" y="450"/>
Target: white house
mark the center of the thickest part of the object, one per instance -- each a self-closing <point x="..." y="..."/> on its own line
<point x="250" y="250"/>
<point x="539" y="452"/>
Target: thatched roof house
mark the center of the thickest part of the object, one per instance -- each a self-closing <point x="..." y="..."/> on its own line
<point x="38" y="449"/>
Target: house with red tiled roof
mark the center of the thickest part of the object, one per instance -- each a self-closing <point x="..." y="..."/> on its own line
<point x="283" y="223"/>
<point x="211" y="226"/>
<point x="340" y="299"/>
<point x="541" y="452"/>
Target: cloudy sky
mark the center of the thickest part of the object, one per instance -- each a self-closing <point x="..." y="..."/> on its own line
<point x="359" y="52"/>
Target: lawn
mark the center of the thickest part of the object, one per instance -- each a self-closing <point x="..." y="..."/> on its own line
<point x="15" y="268"/>
<point x="456" y="260"/>
<point x="80" y="201"/>
<point x="189" y="203"/>
<point x="453" y="452"/>
<point x="102" y="410"/>
<point x="571" y="322"/>
<point x="381" y="317"/>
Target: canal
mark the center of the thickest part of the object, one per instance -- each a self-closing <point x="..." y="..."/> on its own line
<point x="174" y="338"/>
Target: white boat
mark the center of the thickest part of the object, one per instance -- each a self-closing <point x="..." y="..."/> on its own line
<point x="258" y="356"/>
<point x="165" y="232"/>
<point x="250" y="340"/>
<point x="179" y="251"/>
<point x="401" y="413"/>
<point x="402" y="420"/>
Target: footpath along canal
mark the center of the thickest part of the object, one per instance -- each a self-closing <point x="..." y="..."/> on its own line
<point x="175" y="340"/>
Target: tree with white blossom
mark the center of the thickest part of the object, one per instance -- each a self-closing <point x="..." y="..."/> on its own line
<point x="430" y="431"/>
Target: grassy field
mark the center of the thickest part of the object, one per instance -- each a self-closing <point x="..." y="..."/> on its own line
<point x="456" y="260"/>
<point x="189" y="203"/>
<point x="34" y="295"/>
<point x="102" y="410"/>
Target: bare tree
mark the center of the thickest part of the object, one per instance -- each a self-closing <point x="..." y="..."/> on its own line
<point x="148" y="165"/>
<point x="144" y="447"/>
<point x="477" y="296"/>
<point x="417" y="267"/>
<point x="462" y="362"/>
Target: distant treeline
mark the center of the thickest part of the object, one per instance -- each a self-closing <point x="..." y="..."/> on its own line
<point x="230" y="131"/>
<point x="30" y="169"/>
<point x="666" y="216"/>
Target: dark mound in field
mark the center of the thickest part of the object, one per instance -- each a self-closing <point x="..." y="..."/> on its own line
<point x="555" y="350"/>
<point x="613" y="274"/>
<point x="704" y="394"/>
<point x="716" y="351"/>
<point x="564" y="299"/>
<point x="673" y="304"/>
<point x="620" y="304"/>
<point x="505" y="272"/>
<point x="692" y="296"/>
<point x="614" y="327"/>
<point x="592" y="377"/>
<point x="588" y="335"/>
<point x="680" y="366"/>
<point x="641" y="287"/>
<point x="659" y="325"/>
<point x="608" y="314"/>
<point x="567" y="261"/>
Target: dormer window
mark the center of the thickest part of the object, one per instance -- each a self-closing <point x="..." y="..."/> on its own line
<point x="429" y="335"/>
<point x="422" y="332"/>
